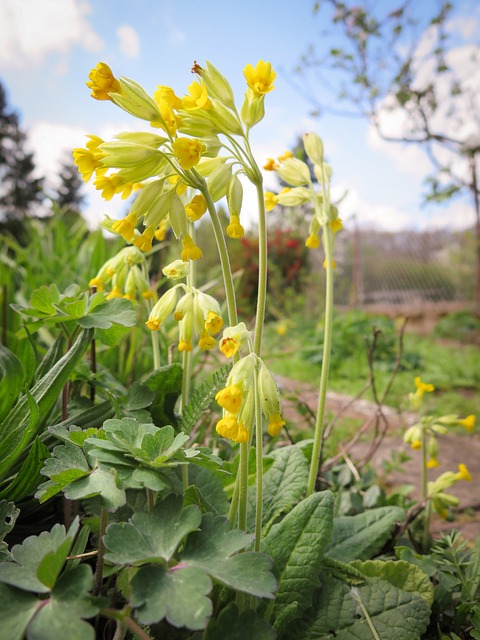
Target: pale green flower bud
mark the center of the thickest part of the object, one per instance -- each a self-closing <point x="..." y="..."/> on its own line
<point x="235" y="195"/>
<point x="243" y="371"/>
<point x="196" y="124"/>
<point x="294" y="172"/>
<point x="212" y="146"/>
<point x="204" y="304"/>
<point x="176" y="270"/>
<point x="313" y="147"/>
<point x="433" y="447"/>
<point x="162" y="309"/>
<point x="135" y="100"/>
<point x="146" y="197"/>
<point x="120" y="154"/>
<point x="270" y="398"/>
<point x="225" y="120"/>
<point x="177" y="216"/>
<point x="184" y="307"/>
<point x="217" y="85"/>
<point x="218" y="181"/>
<point x="142" y="137"/>
<point x="206" y="166"/>
<point x="253" y="109"/>
<point x="294" y="197"/>
<point x="450" y="420"/>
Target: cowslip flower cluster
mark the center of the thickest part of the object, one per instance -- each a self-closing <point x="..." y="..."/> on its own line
<point x="125" y="274"/>
<point x="296" y="173"/>
<point x="172" y="169"/>
<point x="197" y="313"/>
<point x="441" y="500"/>
<point x="429" y="427"/>
<point x="237" y="400"/>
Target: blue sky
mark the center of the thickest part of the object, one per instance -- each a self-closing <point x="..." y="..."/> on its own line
<point x="49" y="46"/>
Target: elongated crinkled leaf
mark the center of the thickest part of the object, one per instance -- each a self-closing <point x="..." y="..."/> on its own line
<point x="16" y="610"/>
<point x="340" y="612"/>
<point x="362" y="536"/>
<point x="28" y="477"/>
<point x="151" y="536"/>
<point x="12" y="378"/>
<point x="38" y="560"/>
<point x="206" y="490"/>
<point x="63" y="616"/>
<point x="116" y="311"/>
<point x="401" y="574"/>
<point x="179" y="595"/>
<point x="297" y="545"/>
<point x="16" y="431"/>
<point x="8" y="515"/>
<point x="231" y="625"/>
<point x="213" y="548"/>
<point x="284" y="484"/>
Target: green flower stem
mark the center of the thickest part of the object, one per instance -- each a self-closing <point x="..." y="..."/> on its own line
<point x="186" y="382"/>
<point x="258" y="467"/>
<point x="428" y="506"/>
<point x="262" y="270"/>
<point x="327" y="345"/>
<point x="232" y="514"/>
<point x="97" y="586"/>
<point x="155" y="350"/>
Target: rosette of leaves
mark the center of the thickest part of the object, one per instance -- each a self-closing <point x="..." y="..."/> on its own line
<point x="124" y="454"/>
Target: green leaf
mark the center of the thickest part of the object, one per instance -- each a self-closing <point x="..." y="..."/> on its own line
<point x="206" y="490"/>
<point x="39" y="559"/>
<point x="153" y="536"/>
<point x="16" y="611"/>
<point x="12" y="378"/>
<point x="284" y="484"/>
<point x="101" y="482"/>
<point x="116" y="311"/>
<point x="179" y="595"/>
<point x="340" y="611"/>
<point x="28" y="477"/>
<point x="44" y="299"/>
<point x="297" y="545"/>
<point x="166" y="382"/>
<point x="231" y="625"/>
<point x="64" y="613"/>
<point x="8" y="515"/>
<point x="139" y="397"/>
<point x="212" y="549"/>
<point x="401" y="574"/>
<point x="202" y="398"/>
<point x="362" y="536"/>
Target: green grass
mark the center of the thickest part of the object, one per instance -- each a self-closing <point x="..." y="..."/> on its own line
<point x="453" y="369"/>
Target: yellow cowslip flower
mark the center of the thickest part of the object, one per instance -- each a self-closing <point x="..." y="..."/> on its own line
<point x="206" y="341"/>
<point x="144" y="241"/>
<point x="167" y="94"/>
<point x="281" y="329"/>
<point x="108" y="185"/>
<point x="126" y="227"/>
<point x="242" y="434"/>
<point x="188" y="152"/>
<point x="271" y="200"/>
<point x="198" y="98"/>
<point x="468" y="423"/>
<point x="180" y="186"/>
<point x="196" y="208"/>
<point x="88" y="160"/>
<point x="270" y="165"/>
<point x="176" y="270"/>
<point x="169" y="122"/>
<point x="432" y="463"/>
<point x="313" y="241"/>
<point x="96" y="283"/>
<point x="161" y="230"/>
<point x="213" y="322"/>
<point x="235" y="229"/>
<point x="260" y="78"/>
<point x="275" y="424"/>
<point x="336" y="225"/>
<point x="285" y="155"/>
<point x="416" y="444"/>
<point x="422" y="387"/>
<point x="184" y="345"/>
<point x="230" y="398"/>
<point x="116" y="292"/>
<point x="463" y="473"/>
<point x="227" y="427"/>
<point x="229" y="346"/>
<point x="102" y="82"/>
<point x="190" y="250"/>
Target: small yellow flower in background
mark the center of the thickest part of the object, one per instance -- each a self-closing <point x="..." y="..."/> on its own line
<point x="468" y="423"/>
<point x="196" y="208"/>
<point x="167" y="94"/>
<point x="213" y="323"/>
<point x="463" y="473"/>
<point x="184" y="345"/>
<point x="190" y="250"/>
<point x="181" y="186"/>
<point x="275" y="425"/>
<point x="423" y="387"/>
<point x="144" y="241"/>
<point x="88" y="160"/>
<point x="287" y="154"/>
<point x="432" y="463"/>
<point x="334" y="264"/>
<point x="281" y="329"/>
<point x="271" y="200"/>
<point x="188" y="152"/>
<point x="96" y="283"/>
<point x="233" y="338"/>
<point x="116" y="292"/>
<point x="235" y="229"/>
<point x="270" y="165"/>
<point x="313" y="241"/>
<point x="102" y="82"/>
<point x="206" y="341"/>
<point x="198" y="98"/>
<point x="416" y="444"/>
<point x="260" y="79"/>
<point x="230" y="398"/>
<point x="336" y="225"/>
<point x="176" y="270"/>
<point x="126" y="226"/>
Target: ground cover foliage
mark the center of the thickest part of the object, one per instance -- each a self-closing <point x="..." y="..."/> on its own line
<point x="144" y="489"/>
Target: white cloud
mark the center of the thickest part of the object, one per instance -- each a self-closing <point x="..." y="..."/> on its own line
<point x="129" y="41"/>
<point x="174" y="35"/>
<point x="30" y="30"/>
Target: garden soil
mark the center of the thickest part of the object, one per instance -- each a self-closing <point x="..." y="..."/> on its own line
<point x="300" y="401"/>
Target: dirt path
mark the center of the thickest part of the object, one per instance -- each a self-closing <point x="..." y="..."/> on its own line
<point x="300" y="400"/>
